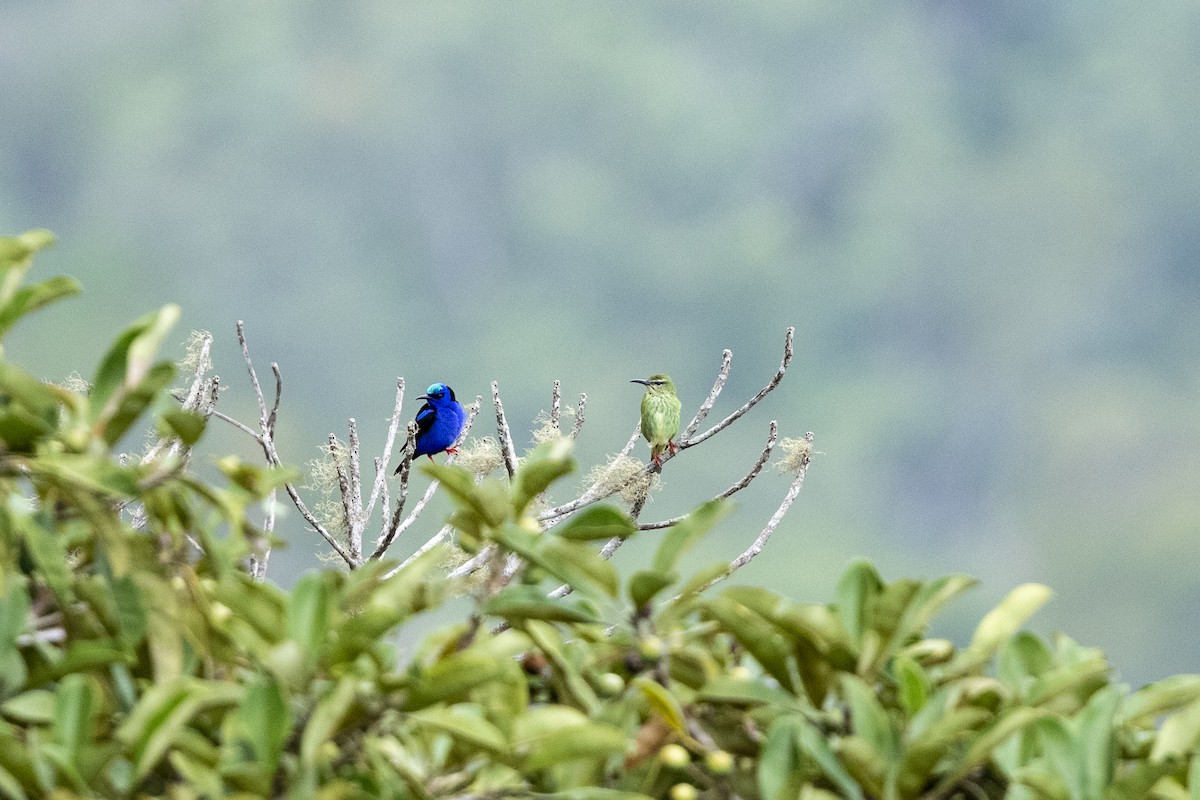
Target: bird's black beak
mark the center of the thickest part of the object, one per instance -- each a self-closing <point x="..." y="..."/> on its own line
<point x="422" y="397"/>
<point x="639" y="380"/>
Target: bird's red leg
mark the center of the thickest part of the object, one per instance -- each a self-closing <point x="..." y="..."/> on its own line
<point x="452" y="450"/>
<point x="430" y="457"/>
<point x="674" y="447"/>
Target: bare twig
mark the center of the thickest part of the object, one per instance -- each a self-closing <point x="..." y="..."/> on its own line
<point x="691" y="441"/>
<point x="710" y="401"/>
<point x="761" y="541"/>
<point x="345" y="476"/>
<point x="355" y="471"/>
<point x="258" y="392"/>
<point x="503" y="433"/>
<point x="266" y="439"/>
<point x="732" y="490"/>
<point x="382" y="463"/>
<point x="243" y="427"/>
<point x="390" y="528"/>
<point x="556" y="406"/>
<point x="578" y="424"/>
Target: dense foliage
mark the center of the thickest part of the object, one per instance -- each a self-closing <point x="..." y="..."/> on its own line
<point x="138" y="658"/>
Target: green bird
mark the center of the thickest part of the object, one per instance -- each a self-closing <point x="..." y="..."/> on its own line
<point x="660" y="415"/>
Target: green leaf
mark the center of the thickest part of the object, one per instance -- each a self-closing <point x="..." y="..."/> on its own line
<point x="757" y="635"/>
<point x="551" y="734"/>
<point x="857" y="587"/>
<point x="747" y="693"/>
<point x="816" y="746"/>
<point x="1160" y="697"/>
<point x="129" y="359"/>
<point x="1094" y="739"/>
<point x="308" y="615"/>
<point x="50" y="557"/>
<point x="11" y="787"/>
<point x="30" y="298"/>
<point x="515" y="603"/>
<point x="1067" y="678"/>
<point x="327" y="718"/>
<point x="663" y="703"/>
<point x="162" y="714"/>
<point x="542" y="466"/>
<point x="40" y="399"/>
<point x="645" y="584"/>
<point x="683" y="535"/>
<point x="74" y="710"/>
<point x="1001" y="623"/>
<point x="922" y="606"/>
<point x="573" y="563"/>
<point x="188" y="426"/>
<point x="569" y="680"/>
<point x="18" y="251"/>
<point x="596" y="522"/>
<point x="36" y="706"/>
<point x="912" y="684"/>
<point x="455" y="675"/>
<point x="135" y="400"/>
<point x="1179" y="733"/>
<point x="466" y="724"/>
<point x="131" y="613"/>
<point x="868" y="717"/>
<point x="264" y="721"/>
<point x="982" y="747"/>
<point x="593" y="793"/>
<point x="779" y="772"/>
<point x="1063" y="756"/>
<point x="488" y="501"/>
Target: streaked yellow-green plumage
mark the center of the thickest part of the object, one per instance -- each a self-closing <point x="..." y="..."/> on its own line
<point x="660" y="415"/>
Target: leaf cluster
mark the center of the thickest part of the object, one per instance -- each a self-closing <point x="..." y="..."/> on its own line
<point x="139" y="658"/>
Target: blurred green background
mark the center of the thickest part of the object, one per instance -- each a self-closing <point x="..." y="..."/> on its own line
<point x="981" y="217"/>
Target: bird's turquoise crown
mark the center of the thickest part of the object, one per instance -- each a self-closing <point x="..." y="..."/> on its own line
<point x="438" y="389"/>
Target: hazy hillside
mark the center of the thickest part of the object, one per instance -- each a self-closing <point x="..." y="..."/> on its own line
<point x="981" y="219"/>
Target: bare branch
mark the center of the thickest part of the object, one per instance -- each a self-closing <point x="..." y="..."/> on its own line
<point x="355" y="521"/>
<point x="266" y="440"/>
<point x="710" y="401"/>
<point x="732" y="490"/>
<point x="278" y="396"/>
<point x="578" y="424"/>
<point x="753" y="401"/>
<point x="761" y="541"/>
<point x="258" y="393"/>
<point x="556" y="406"/>
<point x="391" y="528"/>
<point x="262" y="547"/>
<point x="344" y="491"/>
<point x="253" y="434"/>
<point x="382" y="462"/>
<point x="503" y="433"/>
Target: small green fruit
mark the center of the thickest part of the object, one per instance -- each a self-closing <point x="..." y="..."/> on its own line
<point x="683" y="791"/>
<point x="719" y="762"/>
<point x="652" y="648"/>
<point x="610" y="684"/>
<point x="674" y="755"/>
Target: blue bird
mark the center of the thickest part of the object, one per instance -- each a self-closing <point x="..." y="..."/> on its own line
<point x="439" y="421"/>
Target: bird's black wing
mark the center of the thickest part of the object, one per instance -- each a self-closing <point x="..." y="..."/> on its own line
<point x="425" y="419"/>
